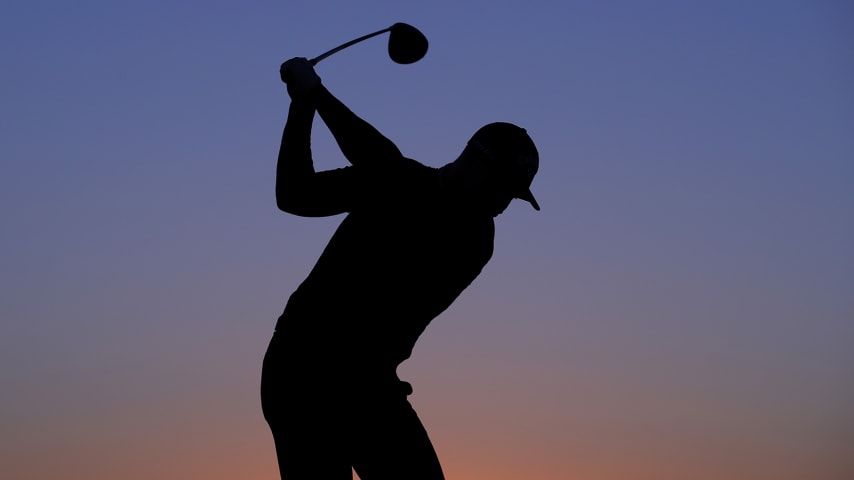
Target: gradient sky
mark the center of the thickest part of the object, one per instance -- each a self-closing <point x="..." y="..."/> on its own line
<point x="682" y="307"/>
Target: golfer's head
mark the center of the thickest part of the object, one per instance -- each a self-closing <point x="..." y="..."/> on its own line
<point x="510" y="161"/>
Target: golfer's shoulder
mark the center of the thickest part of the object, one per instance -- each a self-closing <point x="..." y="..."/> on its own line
<point x="415" y="166"/>
<point x="417" y="176"/>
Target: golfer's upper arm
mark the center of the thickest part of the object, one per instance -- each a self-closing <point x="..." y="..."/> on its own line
<point x="319" y="194"/>
<point x="359" y="141"/>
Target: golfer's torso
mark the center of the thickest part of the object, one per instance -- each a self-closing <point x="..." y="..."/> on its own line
<point x="385" y="274"/>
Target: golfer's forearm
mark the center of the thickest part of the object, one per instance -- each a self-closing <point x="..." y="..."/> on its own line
<point x="295" y="165"/>
<point x="358" y="140"/>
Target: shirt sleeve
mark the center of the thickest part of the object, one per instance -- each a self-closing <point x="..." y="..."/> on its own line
<point x="361" y="143"/>
<point x="299" y="189"/>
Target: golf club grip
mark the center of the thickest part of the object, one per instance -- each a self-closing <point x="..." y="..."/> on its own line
<point x="320" y="57"/>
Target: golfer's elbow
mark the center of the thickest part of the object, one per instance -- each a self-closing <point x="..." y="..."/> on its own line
<point x="303" y="206"/>
<point x="289" y="205"/>
<point x="288" y="200"/>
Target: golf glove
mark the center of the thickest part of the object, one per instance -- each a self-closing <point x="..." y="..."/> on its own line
<point x="300" y="77"/>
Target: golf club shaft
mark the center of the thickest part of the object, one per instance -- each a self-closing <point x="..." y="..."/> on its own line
<point x="314" y="60"/>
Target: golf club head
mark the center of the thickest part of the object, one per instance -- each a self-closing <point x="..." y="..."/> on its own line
<point x="406" y="44"/>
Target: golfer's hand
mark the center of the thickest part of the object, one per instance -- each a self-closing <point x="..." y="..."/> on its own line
<point x="300" y="77"/>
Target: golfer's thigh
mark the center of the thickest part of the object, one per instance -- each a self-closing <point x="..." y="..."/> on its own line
<point x="391" y="443"/>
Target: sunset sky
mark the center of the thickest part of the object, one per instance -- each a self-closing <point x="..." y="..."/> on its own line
<point x="681" y="308"/>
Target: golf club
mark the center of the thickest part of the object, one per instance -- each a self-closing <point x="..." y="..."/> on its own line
<point x="406" y="44"/>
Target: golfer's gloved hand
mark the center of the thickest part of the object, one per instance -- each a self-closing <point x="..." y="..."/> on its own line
<point x="298" y="73"/>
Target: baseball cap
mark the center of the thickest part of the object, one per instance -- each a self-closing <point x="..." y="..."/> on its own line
<point x="511" y="147"/>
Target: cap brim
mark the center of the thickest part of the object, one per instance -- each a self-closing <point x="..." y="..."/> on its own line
<point x="529" y="197"/>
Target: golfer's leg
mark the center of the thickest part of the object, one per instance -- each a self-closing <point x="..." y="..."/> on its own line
<point x="309" y="439"/>
<point x="305" y="421"/>
<point x="392" y="444"/>
<point x="310" y="457"/>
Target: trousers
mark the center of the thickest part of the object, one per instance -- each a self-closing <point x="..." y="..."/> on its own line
<point x="326" y="423"/>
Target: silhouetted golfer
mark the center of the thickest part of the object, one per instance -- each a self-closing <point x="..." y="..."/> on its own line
<point x="413" y="239"/>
